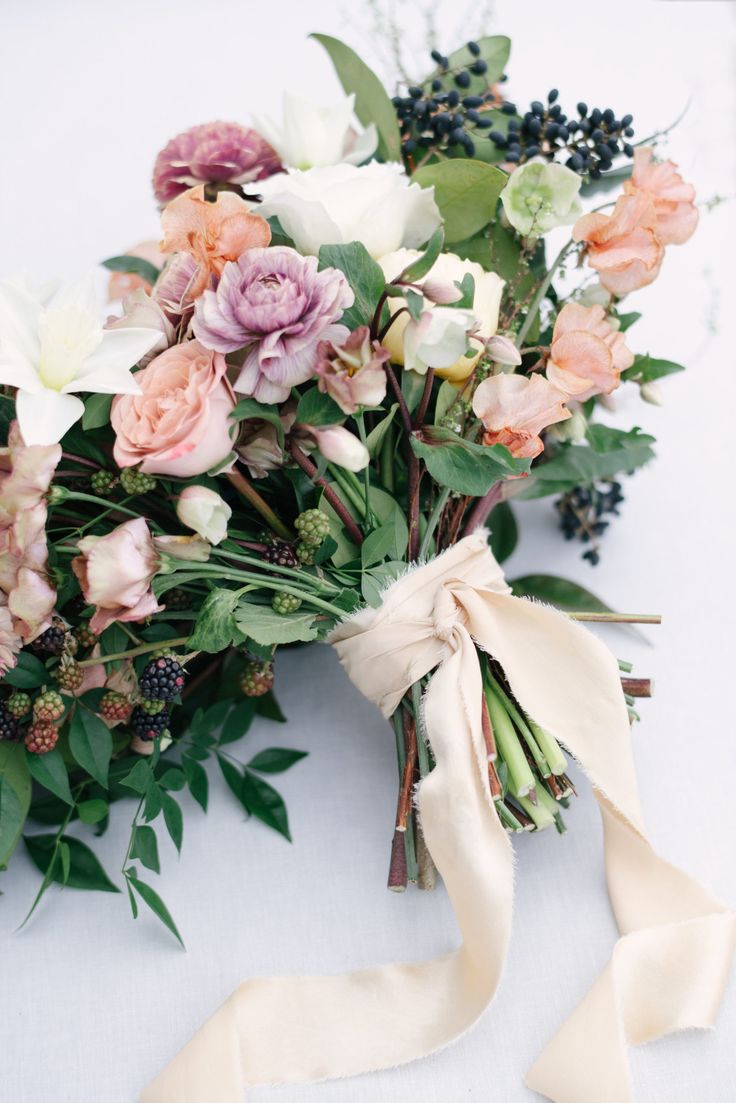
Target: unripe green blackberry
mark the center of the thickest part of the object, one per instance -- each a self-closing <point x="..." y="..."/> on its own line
<point x="84" y="635"/>
<point x="152" y="708"/>
<point x="103" y="483"/>
<point x="256" y="678"/>
<point x="115" y="707"/>
<point x="69" y="674"/>
<point x="41" y="737"/>
<point x="48" y="706"/>
<point x="19" y="705"/>
<point x="134" y="481"/>
<point x="313" y="526"/>
<point x="285" y="604"/>
<point x="305" y="553"/>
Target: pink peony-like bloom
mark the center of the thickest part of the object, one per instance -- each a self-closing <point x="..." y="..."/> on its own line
<point x="672" y="198"/>
<point x="212" y="233"/>
<point x="217" y="153"/>
<point x="180" y="423"/>
<point x="587" y="354"/>
<point x="352" y="373"/>
<point x="115" y="573"/>
<point x="276" y="303"/>
<point x="515" y="408"/>
<point x="27" y="598"/>
<point x="623" y="247"/>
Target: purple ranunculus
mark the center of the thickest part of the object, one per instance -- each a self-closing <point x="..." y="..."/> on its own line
<point x="276" y="304"/>
<point x="212" y="153"/>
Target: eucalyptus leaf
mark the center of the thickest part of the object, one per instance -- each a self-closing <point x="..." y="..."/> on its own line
<point x="466" y="192"/>
<point x="493" y="49"/>
<point x="462" y="465"/>
<point x="134" y="266"/>
<point x="364" y="275"/>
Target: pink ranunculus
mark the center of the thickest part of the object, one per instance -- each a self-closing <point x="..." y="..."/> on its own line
<point x="212" y="233"/>
<point x="352" y="373"/>
<point x="212" y="153"/>
<point x="180" y="423"/>
<point x="115" y="573"/>
<point x="515" y="408"/>
<point x="173" y="291"/>
<point x="280" y="306"/>
<point x="623" y="246"/>
<point x="672" y="198"/>
<point x="587" y="354"/>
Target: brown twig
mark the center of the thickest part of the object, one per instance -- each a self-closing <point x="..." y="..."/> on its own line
<point x="488" y="737"/>
<point x="494" y="782"/>
<point x="249" y="492"/>
<point x="637" y="687"/>
<point x="397" y="871"/>
<point x="407" y="778"/>
<point x="481" y="510"/>
<point x="399" y="396"/>
<point x="330" y="494"/>
<point x="424" y="401"/>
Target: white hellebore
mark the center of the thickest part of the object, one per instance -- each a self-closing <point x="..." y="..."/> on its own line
<point x="52" y="350"/>
<point x="205" y="512"/>
<point x="311" y="135"/>
<point x="438" y="339"/>
<point x="374" y="204"/>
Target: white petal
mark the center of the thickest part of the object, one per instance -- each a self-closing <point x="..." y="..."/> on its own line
<point x="80" y="296"/>
<point x="16" y="371"/>
<point x="19" y="317"/>
<point x="365" y="146"/>
<point x="118" y="351"/>
<point x="45" y="417"/>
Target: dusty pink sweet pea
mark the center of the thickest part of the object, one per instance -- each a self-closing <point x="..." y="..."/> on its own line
<point x="515" y="409"/>
<point x="351" y="372"/>
<point x="673" y="200"/>
<point x="115" y="573"/>
<point x="587" y="354"/>
<point x="10" y="641"/>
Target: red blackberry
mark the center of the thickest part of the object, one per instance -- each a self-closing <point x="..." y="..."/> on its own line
<point x="114" y="707"/>
<point x="48" y="706"/>
<point x="9" y="727"/>
<point x="69" y="674"/>
<point x="161" y="679"/>
<point x="41" y="737"/>
<point x="281" y="554"/>
<point x="149" y="727"/>
<point x="52" y="640"/>
<point x="256" y="678"/>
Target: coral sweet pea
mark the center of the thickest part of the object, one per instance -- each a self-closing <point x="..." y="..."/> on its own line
<point x="672" y="198"/>
<point x="623" y="247"/>
<point x="587" y="354"/>
<point x="514" y="409"/>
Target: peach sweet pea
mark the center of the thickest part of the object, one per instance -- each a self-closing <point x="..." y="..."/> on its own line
<point x="587" y="354"/>
<point x="212" y="233"/>
<point x="115" y="573"/>
<point x="624" y="246"/>
<point x="121" y="284"/>
<point x="671" y="197"/>
<point x="515" y="408"/>
<point x="179" y="424"/>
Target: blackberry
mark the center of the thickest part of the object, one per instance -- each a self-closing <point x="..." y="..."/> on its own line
<point x="115" y="707"/>
<point x="19" y="705"/>
<point x="41" y="737"/>
<point x="148" y="727"/>
<point x="161" y="679"/>
<point x="256" y="678"/>
<point x="69" y="674"/>
<point x="9" y="727"/>
<point x="134" y="481"/>
<point x="284" y="604"/>
<point x="313" y="527"/>
<point x="102" y="483"/>
<point x="53" y="639"/>
<point x="280" y="554"/>
<point x="48" y="706"/>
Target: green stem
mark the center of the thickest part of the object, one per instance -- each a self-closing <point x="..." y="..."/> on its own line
<point x="287" y="572"/>
<point x="142" y="649"/>
<point x="387" y="459"/>
<point x="509" y="747"/>
<point x="540" y="293"/>
<point x="265" y="581"/>
<point x="249" y="492"/>
<point x="432" y="522"/>
<point x="539" y="812"/>
<point x="422" y="747"/>
<point x="78" y="496"/>
<point x="369" y="518"/>
<point x="350" y="487"/>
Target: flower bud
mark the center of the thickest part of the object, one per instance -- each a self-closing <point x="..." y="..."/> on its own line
<point x="652" y="394"/>
<point x="441" y="292"/>
<point x="340" y="446"/>
<point x="503" y="351"/>
<point x="173" y="548"/>
<point x="205" y="512"/>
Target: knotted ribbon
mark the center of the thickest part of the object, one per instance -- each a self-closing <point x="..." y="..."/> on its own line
<point x="670" y="966"/>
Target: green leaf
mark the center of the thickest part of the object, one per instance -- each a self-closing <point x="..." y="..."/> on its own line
<point x="173" y="778"/>
<point x="65" y="856"/>
<point x="145" y="847"/>
<point x="375" y="438"/>
<point x="249" y="409"/>
<point x="384" y="508"/>
<point x="49" y="770"/>
<point x="150" y="897"/>
<point x="97" y="411"/>
<point x="561" y="592"/>
<point x="268" y="707"/>
<point x="139" y="779"/>
<point x="461" y="464"/>
<point x="238" y="722"/>
<point x="626" y="321"/>
<point x="15" y="797"/>
<point x="363" y="274"/>
<point x="29" y="673"/>
<point x="318" y="409"/>
<point x="85" y="870"/>
<point x="266" y="626"/>
<point x="135" y="266"/>
<point x="372" y="104"/>
<point x="466" y="192"/>
<point x="421" y="266"/>
<point x="197" y="780"/>
<point x="608" y="453"/>
<point x="265" y="803"/>
<point x="90" y="741"/>
<point x="387" y="542"/>
<point x="233" y="775"/>
<point x="374" y="582"/>
<point x="446" y="395"/>
<point x="275" y="760"/>
<point x="645" y="369"/>
<point x="215" y="627"/>
<point x="504" y="531"/>
<point x="93" y="811"/>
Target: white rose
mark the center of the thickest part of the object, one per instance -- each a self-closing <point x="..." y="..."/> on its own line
<point x="310" y="135"/>
<point x="205" y="512"/>
<point x="374" y="204"/>
<point x="447" y="269"/>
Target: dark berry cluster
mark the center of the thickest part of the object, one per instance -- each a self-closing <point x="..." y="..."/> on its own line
<point x="591" y="140"/>
<point x="447" y="111"/>
<point x="281" y="554"/>
<point x="582" y="512"/>
<point x="52" y="640"/>
<point x="149" y="727"/>
<point x="161" y="679"/>
<point x="9" y="727"/>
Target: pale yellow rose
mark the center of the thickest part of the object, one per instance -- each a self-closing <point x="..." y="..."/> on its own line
<point x="447" y="269"/>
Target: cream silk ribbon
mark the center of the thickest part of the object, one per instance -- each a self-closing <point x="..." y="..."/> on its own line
<point x="670" y="966"/>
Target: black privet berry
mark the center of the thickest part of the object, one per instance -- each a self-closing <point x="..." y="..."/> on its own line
<point x="148" y="727"/>
<point x="161" y="679"/>
<point x="462" y="79"/>
<point x="474" y="48"/>
<point x="479" y="67"/>
<point x="552" y="95"/>
<point x="582" y="514"/>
